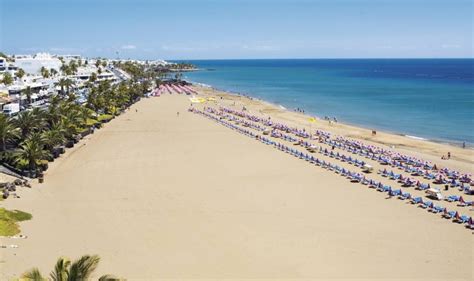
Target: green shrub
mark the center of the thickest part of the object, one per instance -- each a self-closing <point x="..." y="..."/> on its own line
<point x="91" y="122"/>
<point x="104" y="117"/>
<point x="9" y="221"/>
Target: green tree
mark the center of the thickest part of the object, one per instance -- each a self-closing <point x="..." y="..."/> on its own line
<point x="44" y="72"/>
<point x="65" y="69"/>
<point x="8" y="131"/>
<point x="27" y="92"/>
<point x="53" y="72"/>
<point x="7" y="78"/>
<point x="64" y="270"/>
<point x="20" y="73"/>
<point x="31" y="152"/>
<point x="27" y="122"/>
<point x="54" y="136"/>
<point x="93" y="77"/>
<point x="73" y="66"/>
<point x="65" y="83"/>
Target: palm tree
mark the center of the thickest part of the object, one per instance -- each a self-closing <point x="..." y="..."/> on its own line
<point x="85" y="114"/>
<point x="73" y="67"/>
<point x="44" y="72"/>
<point x="54" y="136"/>
<point x="53" y="72"/>
<point x="8" y="131"/>
<point x="27" y="93"/>
<point x="65" y="69"/>
<point x="20" y="73"/>
<point x="65" y="83"/>
<point x="93" y="77"/>
<point x="26" y="122"/>
<point x="64" y="270"/>
<point x="33" y="275"/>
<point x="70" y="122"/>
<point x="7" y="78"/>
<point x="31" y="152"/>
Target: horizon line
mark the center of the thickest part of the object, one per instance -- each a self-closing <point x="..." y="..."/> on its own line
<point x="332" y="58"/>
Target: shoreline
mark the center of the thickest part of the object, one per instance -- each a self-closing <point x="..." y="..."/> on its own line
<point x="392" y="140"/>
<point x="453" y="143"/>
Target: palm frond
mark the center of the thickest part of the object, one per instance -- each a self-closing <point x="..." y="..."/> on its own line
<point x="32" y="275"/>
<point x="83" y="268"/>
<point x="61" y="270"/>
<point x="109" y="277"/>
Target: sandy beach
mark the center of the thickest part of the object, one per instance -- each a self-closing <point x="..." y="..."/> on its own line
<point x="162" y="196"/>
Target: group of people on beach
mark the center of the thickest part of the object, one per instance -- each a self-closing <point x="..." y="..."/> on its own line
<point x="300" y="110"/>
<point x="446" y="157"/>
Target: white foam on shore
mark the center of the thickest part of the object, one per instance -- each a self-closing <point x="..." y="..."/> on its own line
<point x="282" y="107"/>
<point x="415" y="137"/>
<point x="199" y="84"/>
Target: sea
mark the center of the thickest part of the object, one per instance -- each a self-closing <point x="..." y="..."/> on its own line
<point x="429" y="99"/>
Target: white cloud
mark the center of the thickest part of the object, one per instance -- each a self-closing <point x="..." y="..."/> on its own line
<point x="128" y="47"/>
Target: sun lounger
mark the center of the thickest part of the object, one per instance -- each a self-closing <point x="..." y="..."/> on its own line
<point x="452" y="198"/>
<point x="463" y="219"/>
<point x="449" y="215"/>
<point x="438" y="209"/>
<point x="404" y="196"/>
<point x="427" y="204"/>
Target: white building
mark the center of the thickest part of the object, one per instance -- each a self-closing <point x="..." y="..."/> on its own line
<point x="33" y="64"/>
<point x="3" y="64"/>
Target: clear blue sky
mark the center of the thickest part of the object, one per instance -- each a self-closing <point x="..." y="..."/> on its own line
<point x="190" y="29"/>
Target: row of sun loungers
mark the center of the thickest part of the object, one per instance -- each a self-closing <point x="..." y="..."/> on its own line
<point x="406" y="182"/>
<point x="416" y="167"/>
<point x="352" y="176"/>
<point x="171" y="89"/>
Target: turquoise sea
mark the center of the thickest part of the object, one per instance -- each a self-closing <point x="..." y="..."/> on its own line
<point x="426" y="98"/>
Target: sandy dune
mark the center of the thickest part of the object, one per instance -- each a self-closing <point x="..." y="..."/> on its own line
<point x="159" y="196"/>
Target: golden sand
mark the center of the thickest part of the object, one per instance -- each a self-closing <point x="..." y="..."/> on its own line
<point x="161" y="196"/>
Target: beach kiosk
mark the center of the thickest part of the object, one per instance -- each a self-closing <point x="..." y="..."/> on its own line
<point x="367" y="169"/>
<point x="312" y="148"/>
<point x="434" y="194"/>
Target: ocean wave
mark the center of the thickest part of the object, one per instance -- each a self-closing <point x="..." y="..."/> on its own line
<point x="415" y="137"/>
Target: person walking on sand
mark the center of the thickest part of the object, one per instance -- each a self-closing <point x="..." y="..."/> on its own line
<point x="177" y="114"/>
<point x="449" y="155"/>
